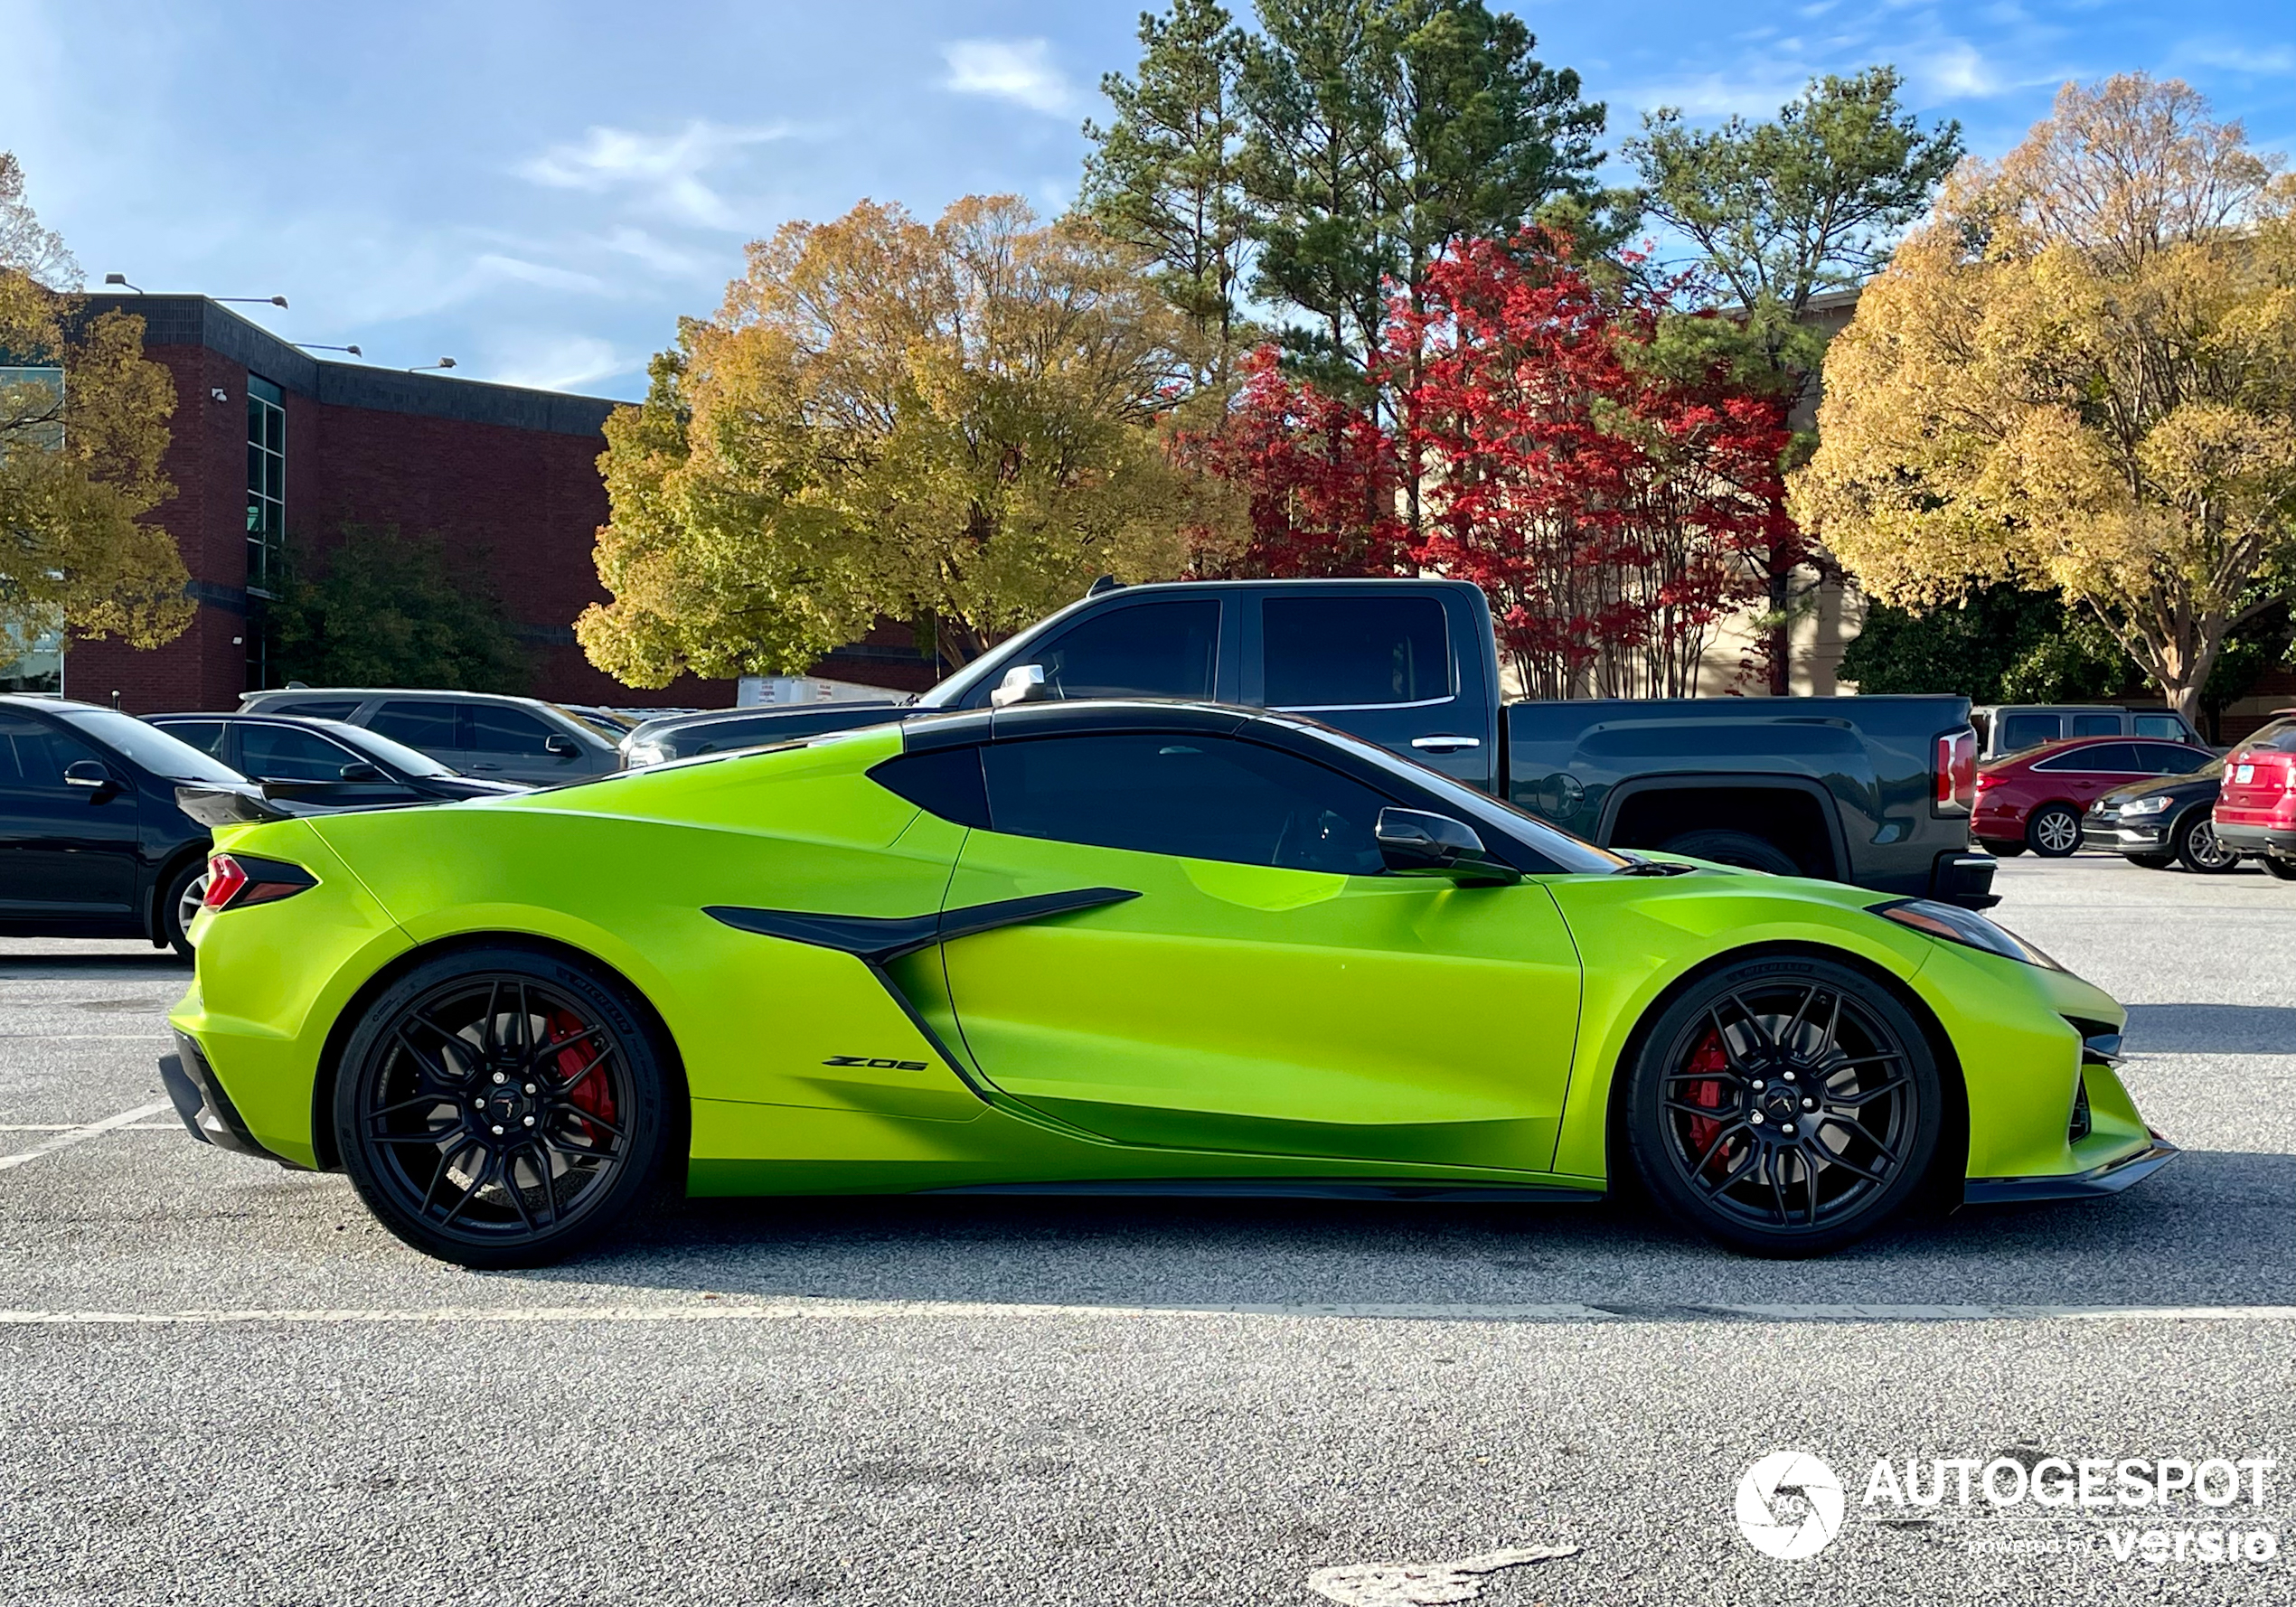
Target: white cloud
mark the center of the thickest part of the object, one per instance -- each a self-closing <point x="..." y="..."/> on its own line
<point x="1956" y="71"/>
<point x="2276" y="61"/>
<point x="663" y="170"/>
<point x="494" y="265"/>
<point x="557" y="362"/>
<point x="659" y="254"/>
<point x="1017" y="69"/>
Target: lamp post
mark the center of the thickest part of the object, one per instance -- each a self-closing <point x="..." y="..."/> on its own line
<point x="314" y="346"/>
<point x="425" y="368"/>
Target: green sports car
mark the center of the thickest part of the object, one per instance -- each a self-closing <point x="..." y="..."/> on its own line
<point x="1107" y="947"/>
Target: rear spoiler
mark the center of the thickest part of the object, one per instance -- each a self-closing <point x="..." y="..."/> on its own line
<point x="217" y="806"/>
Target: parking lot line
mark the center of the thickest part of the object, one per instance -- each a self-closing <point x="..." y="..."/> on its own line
<point x="782" y="1310"/>
<point x="81" y="1135"/>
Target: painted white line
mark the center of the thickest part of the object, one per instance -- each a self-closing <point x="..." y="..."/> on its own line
<point x="74" y="1127"/>
<point x="81" y="1135"/>
<point x="84" y="1037"/>
<point x="782" y="1310"/>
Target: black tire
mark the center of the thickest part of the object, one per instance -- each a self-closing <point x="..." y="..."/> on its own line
<point x="1755" y="1175"/>
<point x="178" y="890"/>
<point x="2285" y="869"/>
<point x="2152" y="862"/>
<point x="1732" y="848"/>
<point x="2198" y="849"/>
<point x="2054" y="831"/>
<point x="503" y="1107"/>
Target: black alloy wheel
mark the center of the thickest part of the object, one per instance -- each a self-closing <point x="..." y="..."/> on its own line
<point x="2054" y="831"/>
<point x="501" y="1108"/>
<point x="1785" y="1106"/>
<point x="2197" y="845"/>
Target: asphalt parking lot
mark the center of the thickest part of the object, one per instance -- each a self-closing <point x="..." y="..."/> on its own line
<point x="220" y="1382"/>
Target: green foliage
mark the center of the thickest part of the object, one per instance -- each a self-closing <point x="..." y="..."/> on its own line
<point x="379" y="608"/>
<point x="2002" y="645"/>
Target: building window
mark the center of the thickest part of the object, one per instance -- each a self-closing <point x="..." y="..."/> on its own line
<point x="266" y="482"/>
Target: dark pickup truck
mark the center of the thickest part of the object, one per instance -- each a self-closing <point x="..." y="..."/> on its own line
<point x="1874" y="790"/>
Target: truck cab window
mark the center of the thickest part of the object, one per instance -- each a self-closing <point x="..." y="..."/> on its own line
<point x="1147" y="650"/>
<point x="1340" y="651"/>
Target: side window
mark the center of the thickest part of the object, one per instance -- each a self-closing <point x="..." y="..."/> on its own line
<point x="1338" y="651"/>
<point x="1149" y="650"/>
<point x="2163" y="759"/>
<point x="2114" y="758"/>
<point x="946" y="783"/>
<point x="206" y="734"/>
<point x="424" y="725"/>
<point x="2020" y="731"/>
<point x="342" y="709"/>
<point x="2096" y="725"/>
<point x="2160" y="725"/>
<point x="32" y="757"/>
<point x="282" y="752"/>
<point x="1198" y="797"/>
<point x="496" y="729"/>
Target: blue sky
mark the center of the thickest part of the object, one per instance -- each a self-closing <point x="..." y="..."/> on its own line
<point x="539" y="190"/>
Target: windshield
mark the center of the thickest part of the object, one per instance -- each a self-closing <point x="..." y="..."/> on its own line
<point x="151" y="747"/>
<point x="1571" y="854"/>
<point x="397" y="755"/>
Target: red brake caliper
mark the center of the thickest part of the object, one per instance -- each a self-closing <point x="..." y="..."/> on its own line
<point x="1707" y="1093"/>
<point x="587" y="1088"/>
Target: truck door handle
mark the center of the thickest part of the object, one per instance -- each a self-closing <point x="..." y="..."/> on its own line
<point x="1444" y="744"/>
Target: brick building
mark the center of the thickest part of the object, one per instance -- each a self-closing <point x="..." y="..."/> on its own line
<point x="269" y="441"/>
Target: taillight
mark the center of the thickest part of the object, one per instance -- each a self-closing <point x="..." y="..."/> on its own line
<point x="234" y="881"/>
<point x="1957" y="779"/>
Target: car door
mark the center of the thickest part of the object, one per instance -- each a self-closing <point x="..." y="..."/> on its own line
<point x="67" y="853"/>
<point x="509" y="743"/>
<point x="1381" y="665"/>
<point x="1267" y="988"/>
<point x="309" y="764"/>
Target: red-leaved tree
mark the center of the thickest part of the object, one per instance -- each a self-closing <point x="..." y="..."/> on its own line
<point x="1319" y="480"/>
<point x="1605" y="508"/>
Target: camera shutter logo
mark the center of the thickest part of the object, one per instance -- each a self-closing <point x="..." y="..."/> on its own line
<point x="1790" y="1505"/>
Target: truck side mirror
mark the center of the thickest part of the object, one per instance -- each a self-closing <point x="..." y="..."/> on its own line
<point x="1022" y="683"/>
<point x="1419" y="843"/>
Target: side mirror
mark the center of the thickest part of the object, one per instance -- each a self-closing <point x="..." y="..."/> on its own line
<point x="89" y="774"/>
<point x="558" y="744"/>
<point x="1022" y="683"/>
<point x="1417" y="842"/>
<point x="360" y="771"/>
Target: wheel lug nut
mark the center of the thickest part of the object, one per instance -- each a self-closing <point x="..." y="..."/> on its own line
<point x="1787" y="1128"/>
<point x="529" y="1121"/>
<point x="530" y="1087"/>
<point x="500" y="1077"/>
<point x="1759" y="1084"/>
<point x="498" y="1132"/>
<point x="1789" y="1076"/>
<point x="1756" y="1118"/>
<point x="1809" y="1104"/>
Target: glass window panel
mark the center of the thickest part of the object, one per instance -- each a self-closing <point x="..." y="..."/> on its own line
<point x="1354" y="651"/>
<point x="2159" y="725"/>
<point x="282" y="752"/>
<point x="2096" y="725"/>
<point x="1204" y="798"/>
<point x="496" y="729"/>
<point x="275" y="477"/>
<point x="427" y="726"/>
<point x="1151" y="650"/>
<point x="275" y="429"/>
<point x="258" y="386"/>
<point x="2023" y="730"/>
<point x="206" y="734"/>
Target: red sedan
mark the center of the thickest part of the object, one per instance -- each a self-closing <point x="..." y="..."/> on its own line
<point x="2035" y="799"/>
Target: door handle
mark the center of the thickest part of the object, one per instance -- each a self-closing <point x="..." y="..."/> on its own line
<point x="1444" y="744"/>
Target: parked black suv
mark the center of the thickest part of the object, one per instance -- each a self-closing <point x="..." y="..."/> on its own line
<point x="91" y="841"/>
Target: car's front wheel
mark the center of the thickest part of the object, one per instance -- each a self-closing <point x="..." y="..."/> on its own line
<point x="1785" y="1106"/>
<point x="503" y="1107"/>
<point x="2054" y="831"/>
<point x="2200" y="847"/>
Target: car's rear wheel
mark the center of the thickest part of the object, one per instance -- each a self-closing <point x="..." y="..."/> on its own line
<point x="1785" y="1106"/>
<point x="2283" y="868"/>
<point x="2054" y="831"/>
<point x="1741" y="849"/>
<point x="179" y="901"/>
<point x="503" y="1107"/>
<point x="2200" y="849"/>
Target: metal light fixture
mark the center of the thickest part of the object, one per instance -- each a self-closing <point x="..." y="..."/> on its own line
<point x="314" y="346"/>
<point x="273" y="301"/>
<point x="122" y="280"/>
<point x="427" y="367"/>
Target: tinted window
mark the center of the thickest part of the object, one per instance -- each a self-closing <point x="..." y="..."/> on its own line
<point x="1149" y="650"/>
<point x="2096" y="725"/>
<point x="2279" y="736"/>
<point x="2160" y="725"/>
<point x="494" y="729"/>
<point x="150" y="746"/>
<point x="946" y="784"/>
<point x="418" y="725"/>
<point x="2162" y="760"/>
<point x="1332" y="652"/>
<point x="206" y="734"/>
<point x="1202" y="797"/>
<point x="33" y="755"/>
<point x="2114" y="757"/>
<point x="343" y="709"/>
<point x="282" y="752"/>
<point x="2023" y="730"/>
